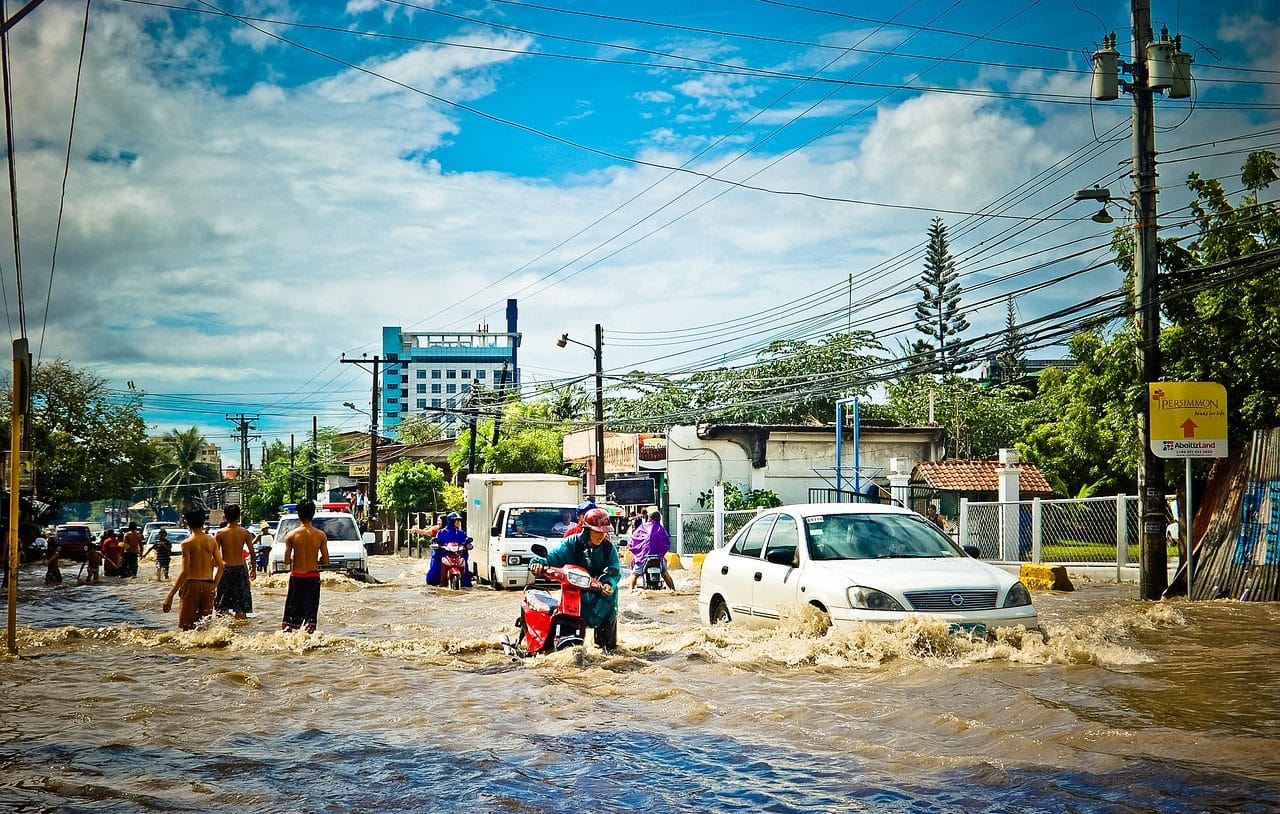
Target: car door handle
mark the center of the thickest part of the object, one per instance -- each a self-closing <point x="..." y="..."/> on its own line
<point x="758" y="576"/>
<point x="724" y="569"/>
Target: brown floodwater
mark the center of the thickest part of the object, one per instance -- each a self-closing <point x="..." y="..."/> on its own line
<point x="403" y="701"/>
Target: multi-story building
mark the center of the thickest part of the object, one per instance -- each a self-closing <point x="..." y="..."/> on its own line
<point x="432" y="373"/>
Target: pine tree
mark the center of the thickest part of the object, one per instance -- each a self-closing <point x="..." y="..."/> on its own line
<point x="938" y="314"/>
<point x="1012" y="359"/>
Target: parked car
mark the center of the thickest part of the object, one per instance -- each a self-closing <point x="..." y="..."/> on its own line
<point x="73" y="540"/>
<point x="346" y="544"/>
<point x="176" y="536"/>
<point x="152" y="525"/>
<point x="855" y="562"/>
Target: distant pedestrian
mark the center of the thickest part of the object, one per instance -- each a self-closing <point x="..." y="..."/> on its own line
<point x="201" y="565"/>
<point x="110" y="554"/>
<point x="233" y="585"/>
<point x="306" y="548"/>
<point x="52" y="574"/>
<point x="92" y="564"/>
<point x="931" y="514"/>
<point x="164" y="551"/>
<point x="132" y="545"/>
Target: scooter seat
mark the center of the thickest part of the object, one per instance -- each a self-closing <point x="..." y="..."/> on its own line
<point x="542" y="601"/>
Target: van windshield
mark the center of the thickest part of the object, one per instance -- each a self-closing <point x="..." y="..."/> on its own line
<point x="538" y="521"/>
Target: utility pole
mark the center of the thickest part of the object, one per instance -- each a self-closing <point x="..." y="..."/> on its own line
<point x="291" y="465"/>
<point x="1153" y="556"/>
<point x="471" y="452"/>
<point x="599" y="410"/>
<point x="315" y="459"/>
<point x="17" y="423"/>
<point x="244" y="423"/>
<point x="371" y="498"/>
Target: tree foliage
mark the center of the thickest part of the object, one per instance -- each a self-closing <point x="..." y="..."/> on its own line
<point x="88" y="442"/>
<point x="938" y="314"/>
<point x="412" y="486"/>
<point x="184" y="478"/>
<point x="978" y="421"/>
<point x="418" y="429"/>
<point x="529" y="440"/>
<point x="791" y="382"/>
<point x="1012" y="358"/>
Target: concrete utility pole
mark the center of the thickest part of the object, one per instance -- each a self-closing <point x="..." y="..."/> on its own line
<point x="244" y="423"/>
<point x="371" y="498"/>
<point x="598" y="350"/>
<point x="1153" y="557"/>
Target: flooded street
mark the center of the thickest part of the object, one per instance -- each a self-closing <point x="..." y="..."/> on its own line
<point x="404" y="702"/>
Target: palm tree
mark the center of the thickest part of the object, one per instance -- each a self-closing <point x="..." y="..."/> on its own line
<point x="182" y="475"/>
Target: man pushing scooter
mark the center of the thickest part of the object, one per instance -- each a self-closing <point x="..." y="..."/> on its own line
<point x="592" y="550"/>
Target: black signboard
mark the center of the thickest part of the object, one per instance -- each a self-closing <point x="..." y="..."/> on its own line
<point x="631" y="491"/>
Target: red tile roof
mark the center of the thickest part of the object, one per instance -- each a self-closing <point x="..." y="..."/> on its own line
<point x="977" y="476"/>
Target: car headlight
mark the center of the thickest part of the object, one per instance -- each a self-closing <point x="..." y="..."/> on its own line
<point x="1018" y="596"/>
<point x="871" y="599"/>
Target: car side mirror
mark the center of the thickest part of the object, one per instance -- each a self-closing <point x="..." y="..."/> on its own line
<point x="973" y="551"/>
<point x="780" y="556"/>
<point x="539" y="549"/>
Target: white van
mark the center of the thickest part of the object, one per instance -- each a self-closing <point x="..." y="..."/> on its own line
<point x="508" y="513"/>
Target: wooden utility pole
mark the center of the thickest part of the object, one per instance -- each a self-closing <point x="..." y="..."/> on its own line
<point x="17" y="421"/>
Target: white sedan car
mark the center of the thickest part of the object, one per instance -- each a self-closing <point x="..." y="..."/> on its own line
<point x="855" y="562"/>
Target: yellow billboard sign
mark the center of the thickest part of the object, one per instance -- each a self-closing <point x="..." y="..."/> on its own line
<point x="1188" y="419"/>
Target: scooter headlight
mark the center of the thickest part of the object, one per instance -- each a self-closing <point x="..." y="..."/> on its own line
<point x="578" y="580"/>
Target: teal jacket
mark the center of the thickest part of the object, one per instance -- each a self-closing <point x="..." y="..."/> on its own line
<point x="597" y="609"/>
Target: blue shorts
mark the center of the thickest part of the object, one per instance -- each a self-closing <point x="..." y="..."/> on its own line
<point x="637" y="565"/>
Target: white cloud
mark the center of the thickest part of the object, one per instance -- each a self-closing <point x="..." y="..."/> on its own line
<point x="660" y="97"/>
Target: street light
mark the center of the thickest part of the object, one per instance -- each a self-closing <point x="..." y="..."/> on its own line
<point x="598" y="350"/>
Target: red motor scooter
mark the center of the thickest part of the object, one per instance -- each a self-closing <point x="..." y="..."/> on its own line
<point x="452" y="564"/>
<point x="548" y="622"/>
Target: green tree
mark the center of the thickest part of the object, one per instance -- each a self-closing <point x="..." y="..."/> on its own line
<point x="1012" y="358"/>
<point x="938" y="314"/>
<point x="88" y="441"/>
<point x="411" y="486"/>
<point x="183" y="477"/>
<point x="418" y="429"/>
<point x="978" y="421"/>
<point x="531" y="440"/>
<point x="269" y="489"/>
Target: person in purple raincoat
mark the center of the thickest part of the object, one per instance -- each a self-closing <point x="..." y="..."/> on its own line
<point x="650" y="540"/>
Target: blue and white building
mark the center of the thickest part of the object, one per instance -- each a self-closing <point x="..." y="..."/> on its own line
<point x="432" y="373"/>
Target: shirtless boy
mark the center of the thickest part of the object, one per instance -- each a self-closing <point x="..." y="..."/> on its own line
<point x="132" y="543"/>
<point x="201" y="563"/>
<point x="233" y="586"/>
<point x="306" y="548"/>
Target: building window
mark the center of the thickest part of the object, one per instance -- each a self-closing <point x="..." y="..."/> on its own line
<point x="466" y="387"/>
<point x="466" y="374"/>
<point x="435" y="374"/>
<point x="422" y="404"/>
<point x="451" y="374"/>
<point x="435" y="388"/>
<point x="453" y="388"/>
<point x="422" y="374"/>
<point x="435" y="402"/>
<point x="422" y="388"/>
<point x="451" y="404"/>
<point x="480" y="374"/>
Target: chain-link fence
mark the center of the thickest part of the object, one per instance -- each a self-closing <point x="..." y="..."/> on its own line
<point x="1100" y="530"/>
<point x="697" y="529"/>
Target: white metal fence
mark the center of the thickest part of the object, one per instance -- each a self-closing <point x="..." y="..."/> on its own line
<point x="1098" y="530"/>
<point x="696" y="532"/>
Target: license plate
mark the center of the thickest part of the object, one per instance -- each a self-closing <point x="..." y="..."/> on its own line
<point x="968" y="628"/>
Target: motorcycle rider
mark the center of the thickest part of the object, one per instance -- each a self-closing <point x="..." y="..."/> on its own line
<point x="650" y="540"/>
<point x="451" y="533"/>
<point x="576" y="528"/>
<point x="592" y="550"/>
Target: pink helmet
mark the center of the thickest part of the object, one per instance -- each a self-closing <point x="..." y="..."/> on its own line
<point x="597" y="519"/>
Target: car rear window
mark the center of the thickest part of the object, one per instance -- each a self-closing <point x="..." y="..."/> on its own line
<point x="335" y="528"/>
<point x="76" y="533"/>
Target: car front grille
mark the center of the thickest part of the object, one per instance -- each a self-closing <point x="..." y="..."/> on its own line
<point x="939" y="601"/>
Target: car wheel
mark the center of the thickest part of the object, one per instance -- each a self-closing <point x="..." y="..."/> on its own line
<point x="817" y="616"/>
<point x="720" y="612"/>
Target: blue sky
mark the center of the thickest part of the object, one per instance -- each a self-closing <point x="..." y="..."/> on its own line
<point x="240" y="211"/>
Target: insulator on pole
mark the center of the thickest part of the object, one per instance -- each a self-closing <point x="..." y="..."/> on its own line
<point x="1181" y="63"/>
<point x="1160" y="63"/>
<point x="1106" y="71"/>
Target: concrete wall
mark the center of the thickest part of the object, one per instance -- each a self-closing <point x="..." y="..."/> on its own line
<point x="695" y="465"/>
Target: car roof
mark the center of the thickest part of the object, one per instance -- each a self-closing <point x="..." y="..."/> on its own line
<point x="810" y="509"/>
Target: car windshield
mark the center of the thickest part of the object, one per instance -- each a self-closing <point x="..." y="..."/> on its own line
<point x="73" y="533"/>
<point x="872" y="536"/>
<point x="335" y="527"/>
<point x="174" y="536"/>
<point x="536" y="521"/>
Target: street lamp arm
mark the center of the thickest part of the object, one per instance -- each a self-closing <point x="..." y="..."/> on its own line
<point x="564" y="340"/>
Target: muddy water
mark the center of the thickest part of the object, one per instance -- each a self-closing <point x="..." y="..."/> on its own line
<point x="403" y="702"/>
